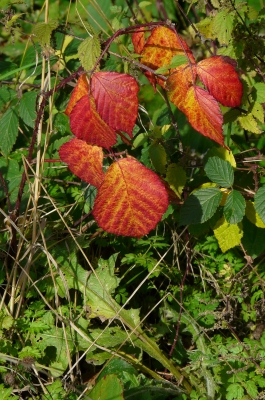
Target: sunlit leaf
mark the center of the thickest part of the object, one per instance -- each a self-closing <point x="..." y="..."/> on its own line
<point x="219" y="171"/>
<point x="259" y="92"/>
<point x="81" y="89"/>
<point x="43" y="30"/>
<point x="253" y="216"/>
<point x="84" y="160"/>
<point x="228" y="235"/>
<point x="138" y="41"/>
<point x="222" y="26"/>
<point x="86" y="124"/>
<point x="249" y="123"/>
<point x="222" y="153"/>
<point x="131" y="199"/>
<point x="234" y="209"/>
<point x="89" y="51"/>
<point x="116" y="99"/>
<point x="179" y="83"/>
<point x="219" y="76"/>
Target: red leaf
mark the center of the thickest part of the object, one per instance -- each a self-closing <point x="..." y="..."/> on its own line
<point x="179" y="83"/>
<point x="204" y="114"/>
<point x="138" y="41"/>
<point x="116" y="99"/>
<point x="84" y="160"/>
<point x="131" y="199"/>
<point x="79" y="91"/>
<point x="219" y="76"/>
<point x="86" y="124"/>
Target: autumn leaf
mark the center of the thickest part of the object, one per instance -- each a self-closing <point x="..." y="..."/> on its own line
<point x="131" y="199"/>
<point x="86" y="124"/>
<point x="80" y="90"/>
<point x="84" y="160"/>
<point x="138" y="41"/>
<point x="116" y="99"/>
<point x="179" y="83"/>
<point x="219" y="76"/>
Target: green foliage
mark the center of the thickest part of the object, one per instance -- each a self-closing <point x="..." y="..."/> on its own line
<point x="177" y="314"/>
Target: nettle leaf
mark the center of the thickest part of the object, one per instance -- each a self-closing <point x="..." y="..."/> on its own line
<point x="131" y="200"/>
<point x="227" y="235"/>
<point x="234" y="209"/>
<point x="84" y="160"/>
<point x="116" y="99"/>
<point x="81" y="89"/>
<point x="27" y="108"/>
<point x="86" y="124"/>
<point x="200" y="206"/>
<point x="8" y="130"/>
<point x="176" y="178"/>
<point x="88" y="52"/>
<point x="219" y="171"/>
<point x="158" y="157"/>
<point x="219" y="76"/>
<point x="259" y="202"/>
<point x="43" y="31"/>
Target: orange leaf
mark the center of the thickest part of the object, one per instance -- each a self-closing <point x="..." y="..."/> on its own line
<point x="204" y="114"/>
<point x="138" y="41"/>
<point x="219" y="76"/>
<point x="116" y="99"/>
<point x="84" y="160"/>
<point x="179" y="83"/>
<point x="79" y="91"/>
<point x="87" y="125"/>
<point x="131" y="199"/>
<point x="161" y="46"/>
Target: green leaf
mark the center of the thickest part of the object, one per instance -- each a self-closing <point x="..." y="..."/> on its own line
<point x="158" y="157"/>
<point x="251" y="389"/>
<point x="6" y="95"/>
<point x="8" y="130"/>
<point x="259" y="94"/>
<point x="6" y="393"/>
<point x="176" y="178"/>
<point x="259" y="202"/>
<point x="219" y="171"/>
<point x="228" y="235"/>
<point x="222" y="153"/>
<point x="174" y="63"/>
<point x="234" y="209"/>
<point x="42" y="31"/>
<point x="200" y="206"/>
<point x="27" y="108"/>
<point x="257" y="111"/>
<point x="108" y="388"/>
<point x="253" y="216"/>
<point x="249" y="123"/>
<point x="223" y="26"/>
<point x="234" y="391"/>
<point x="88" y="52"/>
<point x="253" y="239"/>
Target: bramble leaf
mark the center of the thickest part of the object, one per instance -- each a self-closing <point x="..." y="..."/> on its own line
<point x="86" y="124"/>
<point x="222" y="26"/>
<point x="176" y="178"/>
<point x="8" y="130"/>
<point x="108" y="388"/>
<point x="81" y="89"/>
<point x="116" y="99"/>
<point x="27" y="108"/>
<point x="89" y="51"/>
<point x="158" y="157"/>
<point x="249" y="123"/>
<point x="84" y="160"/>
<point x="179" y="83"/>
<point x="234" y="209"/>
<point x="219" y="76"/>
<point x="259" y="202"/>
<point x="253" y="216"/>
<point x="200" y="206"/>
<point x="138" y="41"/>
<point x="228" y="235"/>
<point x="131" y="200"/>
<point x="219" y="171"/>
<point x="253" y="239"/>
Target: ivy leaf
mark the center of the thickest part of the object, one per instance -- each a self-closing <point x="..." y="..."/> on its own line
<point x="131" y="200"/>
<point x="259" y="202"/>
<point x="8" y="130"/>
<point x="116" y="99"/>
<point x="219" y="171"/>
<point x="84" y="160"/>
<point x="158" y="157"/>
<point x="200" y="206"/>
<point x="88" y="52"/>
<point x="219" y="76"/>
<point x="27" y="108"/>
<point x="43" y="30"/>
<point x="86" y="124"/>
<point x="176" y="178"/>
<point x="228" y="235"/>
<point x="234" y="209"/>
<point x="108" y="388"/>
<point x="81" y="89"/>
